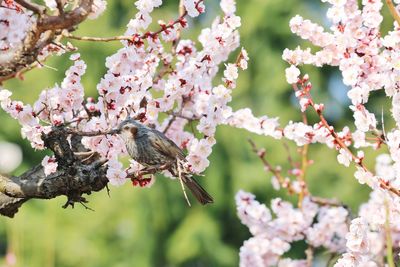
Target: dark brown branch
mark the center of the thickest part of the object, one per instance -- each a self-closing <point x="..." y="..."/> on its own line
<point x="67" y="20"/>
<point x="60" y="6"/>
<point x="71" y="182"/>
<point x="96" y="133"/>
<point x="76" y="174"/>
<point x="73" y="178"/>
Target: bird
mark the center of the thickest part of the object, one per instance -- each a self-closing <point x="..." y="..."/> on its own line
<point x="152" y="149"/>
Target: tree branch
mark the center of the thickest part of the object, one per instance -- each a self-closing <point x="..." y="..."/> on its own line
<point x="97" y="39"/>
<point x="71" y="182"/>
<point x="393" y="11"/>
<point x="45" y="31"/>
<point x="73" y="178"/>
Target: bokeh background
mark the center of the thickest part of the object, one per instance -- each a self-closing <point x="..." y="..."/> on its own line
<point x="155" y="227"/>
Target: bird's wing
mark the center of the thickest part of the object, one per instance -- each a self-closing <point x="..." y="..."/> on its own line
<point x="165" y="145"/>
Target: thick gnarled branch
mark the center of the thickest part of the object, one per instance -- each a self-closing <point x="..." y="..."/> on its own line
<point x="71" y="182"/>
<point x="73" y="178"/>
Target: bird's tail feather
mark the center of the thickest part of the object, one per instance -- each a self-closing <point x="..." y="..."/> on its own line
<point x="199" y="192"/>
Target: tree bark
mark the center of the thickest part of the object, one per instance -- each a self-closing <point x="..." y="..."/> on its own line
<point x="73" y="178"/>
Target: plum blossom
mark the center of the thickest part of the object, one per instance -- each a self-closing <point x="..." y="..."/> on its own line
<point x="292" y="74"/>
<point x="363" y="119"/>
<point x="98" y="7"/>
<point x="50" y="165"/>
<point x="244" y="59"/>
<point x="14" y="26"/>
<point x="330" y="230"/>
<point x="139" y="83"/>
<point x="231" y="72"/>
<point x="299" y="132"/>
<point x="195" y="7"/>
<point x="363" y="176"/>
<point x="228" y="6"/>
<point x="357" y="237"/>
<point x="131" y="87"/>
<point x="344" y="157"/>
<point x="115" y="172"/>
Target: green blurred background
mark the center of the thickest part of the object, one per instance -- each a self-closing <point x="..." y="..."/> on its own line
<point x="154" y="227"/>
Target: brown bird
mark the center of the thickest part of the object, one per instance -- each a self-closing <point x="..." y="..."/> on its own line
<point x="154" y="150"/>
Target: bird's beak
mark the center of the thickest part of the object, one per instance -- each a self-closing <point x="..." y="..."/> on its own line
<point x="115" y="131"/>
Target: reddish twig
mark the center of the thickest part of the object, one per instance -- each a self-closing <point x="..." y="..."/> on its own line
<point x="341" y="144"/>
<point x="268" y="167"/>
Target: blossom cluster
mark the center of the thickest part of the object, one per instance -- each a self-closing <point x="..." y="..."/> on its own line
<point x="166" y="81"/>
<point x="14" y="26"/>
<point x="368" y="61"/>
<point x="146" y="78"/>
<point x="272" y="237"/>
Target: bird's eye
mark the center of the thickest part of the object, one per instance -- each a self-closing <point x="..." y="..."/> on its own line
<point x="126" y="127"/>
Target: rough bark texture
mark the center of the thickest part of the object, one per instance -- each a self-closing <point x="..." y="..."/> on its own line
<point x="73" y="178"/>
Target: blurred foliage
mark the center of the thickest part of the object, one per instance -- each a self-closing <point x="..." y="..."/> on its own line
<point x="154" y="227"/>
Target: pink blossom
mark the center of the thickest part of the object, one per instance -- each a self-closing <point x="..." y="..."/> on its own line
<point x="344" y="157"/>
<point x="50" y="165"/>
<point x="357" y="237"/>
<point x="228" y="6"/>
<point x="231" y="72"/>
<point x="115" y="172"/>
<point x="243" y="61"/>
<point x="292" y="74"/>
<point x="363" y="176"/>
<point x="98" y="8"/>
<point x="194" y="7"/>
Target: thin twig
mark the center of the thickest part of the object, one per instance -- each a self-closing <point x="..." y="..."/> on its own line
<point x="326" y="202"/>
<point x="97" y="39"/>
<point x="128" y="38"/>
<point x="268" y="167"/>
<point x="86" y="206"/>
<point x="393" y="11"/>
<point x="309" y="255"/>
<point x="60" y="7"/>
<point x="182" y="11"/>
<point x="383" y="184"/>
<point x="147" y="171"/>
<point x="169" y="124"/>
<point x="179" y="115"/>
<point x="289" y="157"/>
<point x="304" y="164"/>
<point x="389" y="241"/>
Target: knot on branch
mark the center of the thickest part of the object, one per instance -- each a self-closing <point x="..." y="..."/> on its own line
<point x="57" y="141"/>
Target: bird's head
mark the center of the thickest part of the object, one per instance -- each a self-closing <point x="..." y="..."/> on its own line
<point x="129" y="129"/>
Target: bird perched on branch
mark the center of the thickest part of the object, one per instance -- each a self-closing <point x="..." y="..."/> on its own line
<point x="155" y="151"/>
